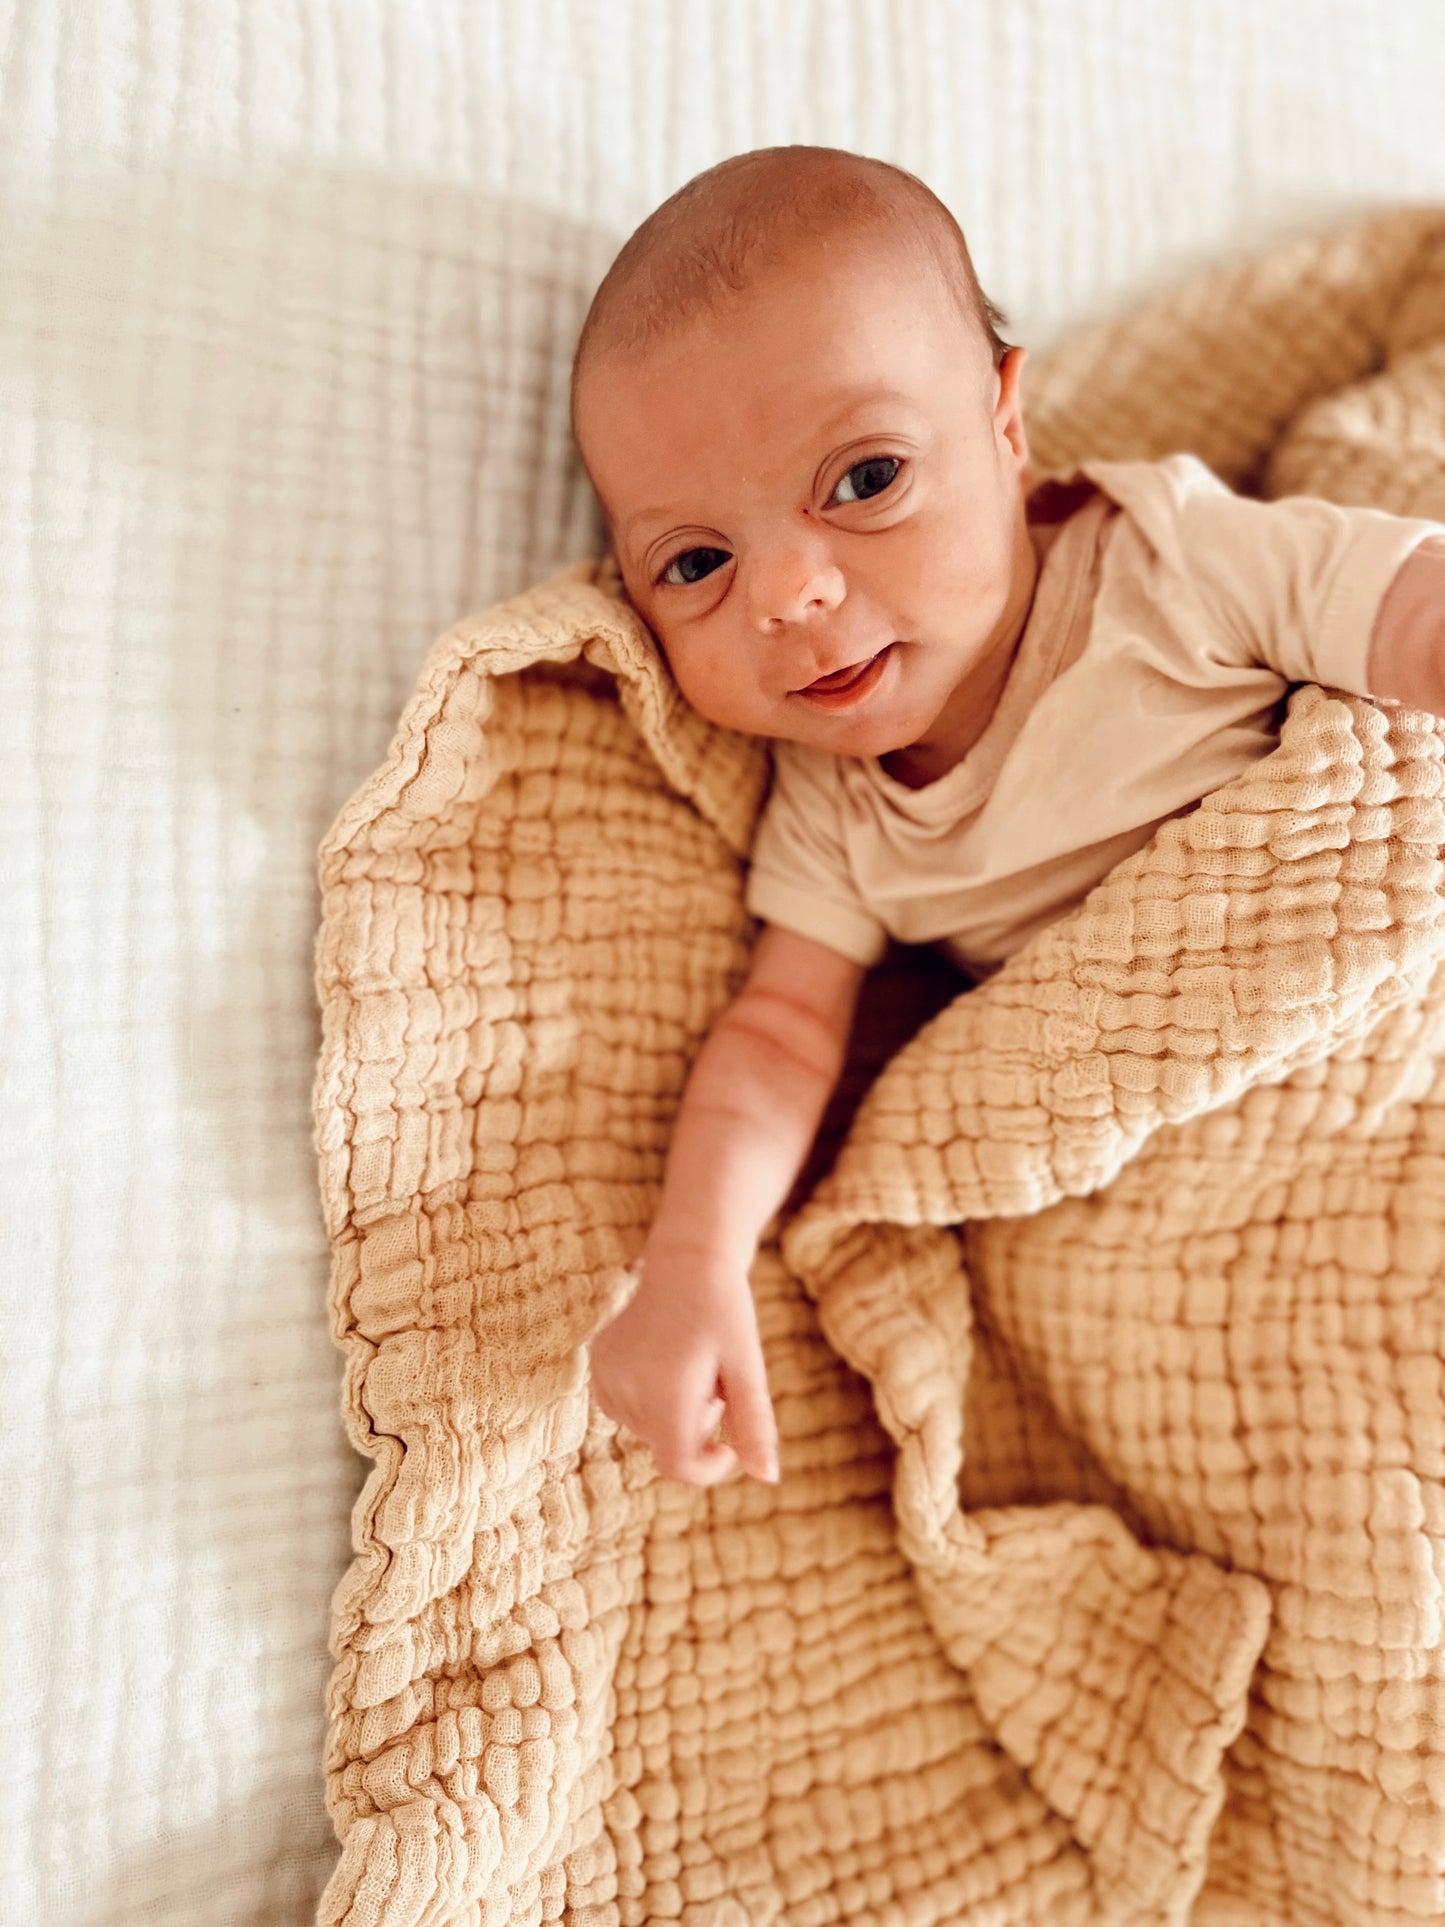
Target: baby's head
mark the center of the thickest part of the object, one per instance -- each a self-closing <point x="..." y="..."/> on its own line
<point x="806" y="436"/>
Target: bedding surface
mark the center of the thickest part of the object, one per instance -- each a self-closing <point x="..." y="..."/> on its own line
<point x="289" y="292"/>
<point x="1134" y="1256"/>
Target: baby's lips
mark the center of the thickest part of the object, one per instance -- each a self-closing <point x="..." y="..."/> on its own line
<point x="837" y="678"/>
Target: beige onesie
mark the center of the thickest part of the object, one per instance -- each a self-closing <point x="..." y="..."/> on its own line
<point x="1170" y="617"/>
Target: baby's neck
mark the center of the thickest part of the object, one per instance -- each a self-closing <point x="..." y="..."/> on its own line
<point x="920" y="764"/>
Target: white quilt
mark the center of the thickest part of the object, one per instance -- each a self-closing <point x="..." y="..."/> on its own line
<point x="288" y="294"/>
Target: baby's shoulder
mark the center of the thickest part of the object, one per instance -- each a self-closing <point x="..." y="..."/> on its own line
<point x="1168" y="485"/>
<point x="1176" y="516"/>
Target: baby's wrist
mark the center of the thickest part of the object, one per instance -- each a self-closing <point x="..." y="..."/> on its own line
<point x="676" y="1245"/>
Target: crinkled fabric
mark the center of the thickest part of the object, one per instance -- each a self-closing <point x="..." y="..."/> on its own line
<point x="1104" y="1580"/>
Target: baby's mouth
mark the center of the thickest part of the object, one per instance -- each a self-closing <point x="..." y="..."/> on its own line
<point x="847" y="688"/>
<point x="840" y="679"/>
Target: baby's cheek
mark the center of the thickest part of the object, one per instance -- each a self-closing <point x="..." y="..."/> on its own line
<point x="942" y="573"/>
<point x="710" y="678"/>
<point x="984" y="565"/>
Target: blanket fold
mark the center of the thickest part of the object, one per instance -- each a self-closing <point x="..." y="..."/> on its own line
<point x="1104" y="1580"/>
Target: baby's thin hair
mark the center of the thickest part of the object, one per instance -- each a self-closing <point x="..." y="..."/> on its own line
<point x="712" y="238"/>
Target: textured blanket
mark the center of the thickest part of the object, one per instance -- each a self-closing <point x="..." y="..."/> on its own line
<point x="1104" y="1580"/>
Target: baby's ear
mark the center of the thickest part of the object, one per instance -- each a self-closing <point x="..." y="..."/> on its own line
<point x="1008" y="409"/>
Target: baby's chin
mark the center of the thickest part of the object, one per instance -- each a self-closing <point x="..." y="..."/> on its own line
<point x="858" y="737"/>
<point x="884" y="727"/>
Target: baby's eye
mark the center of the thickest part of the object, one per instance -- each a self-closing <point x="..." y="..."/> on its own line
<point x="867" y="479"/>
<point x="692" y="566"/>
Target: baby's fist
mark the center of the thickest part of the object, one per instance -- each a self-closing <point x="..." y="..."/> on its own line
<point x="683" y="1354"/>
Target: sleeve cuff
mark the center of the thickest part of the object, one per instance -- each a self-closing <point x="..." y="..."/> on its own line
<point x="1343" y="648"/>
<point x="852" y="933"/>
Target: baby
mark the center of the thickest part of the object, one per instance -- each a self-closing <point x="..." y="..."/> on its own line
<point x="807" y="439"/>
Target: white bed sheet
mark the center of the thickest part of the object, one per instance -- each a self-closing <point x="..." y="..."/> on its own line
<point x="288" y="294"/>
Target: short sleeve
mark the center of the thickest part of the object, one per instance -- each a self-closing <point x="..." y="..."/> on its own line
<point x="1293" y="584"/>
<point x="800" y="877"/>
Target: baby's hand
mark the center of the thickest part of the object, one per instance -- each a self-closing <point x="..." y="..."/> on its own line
<point x="684" y="1353"/>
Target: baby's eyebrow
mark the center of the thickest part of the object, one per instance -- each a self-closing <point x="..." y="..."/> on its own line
<point x="642" y="516"/>
<point x="854" y="401"/>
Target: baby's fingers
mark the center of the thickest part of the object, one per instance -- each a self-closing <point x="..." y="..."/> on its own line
<point x="706" y="1463"/>
<point x="751" y="1425"/>
<point x="703" y="1457"/>
<point x="680" y="1436"/>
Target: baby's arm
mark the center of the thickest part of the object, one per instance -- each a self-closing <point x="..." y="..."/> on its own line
<point x="686" y="1349"/>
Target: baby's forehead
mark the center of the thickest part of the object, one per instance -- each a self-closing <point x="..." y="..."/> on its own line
<point x="694" y="337"/>
<point x="766" y="382"/>
<point x="660" y="301"/>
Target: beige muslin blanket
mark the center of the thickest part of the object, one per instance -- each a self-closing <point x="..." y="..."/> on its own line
<point x="1104" y="1580"/>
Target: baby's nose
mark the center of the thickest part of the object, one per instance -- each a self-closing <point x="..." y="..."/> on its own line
<point x="793" y="586"/>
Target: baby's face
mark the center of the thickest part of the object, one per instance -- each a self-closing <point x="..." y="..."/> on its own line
<point x="815" y="500"/>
